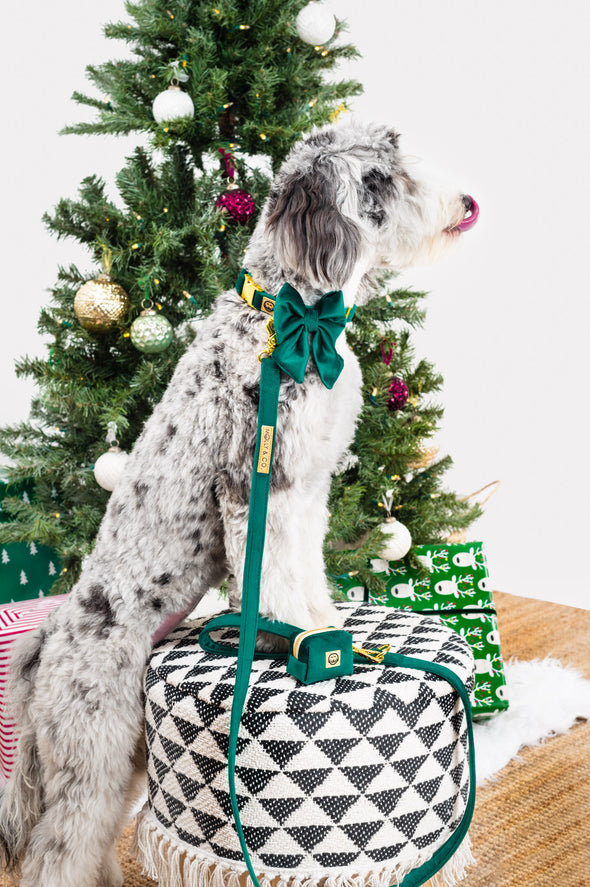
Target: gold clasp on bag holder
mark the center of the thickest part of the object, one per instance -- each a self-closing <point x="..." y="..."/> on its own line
<point x="377" y="655"/>
<point x="272" y="340"/>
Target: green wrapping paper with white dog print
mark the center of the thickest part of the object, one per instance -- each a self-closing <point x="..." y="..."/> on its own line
<point x="457" y="590"/>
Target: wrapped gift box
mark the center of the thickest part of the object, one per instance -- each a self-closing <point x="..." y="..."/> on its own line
<point x="26" y="569"/>
<point x="15" y="620"/>
<point x="456" y="588"/>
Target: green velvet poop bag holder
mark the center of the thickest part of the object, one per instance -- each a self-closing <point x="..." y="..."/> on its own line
<point x="315" y="655"/>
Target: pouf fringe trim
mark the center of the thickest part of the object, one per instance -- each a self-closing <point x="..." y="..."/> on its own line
<point x="178" y="865"/>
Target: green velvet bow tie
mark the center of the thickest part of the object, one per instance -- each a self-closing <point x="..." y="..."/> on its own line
<point x="294" y="320"/>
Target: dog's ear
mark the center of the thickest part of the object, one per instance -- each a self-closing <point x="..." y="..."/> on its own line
<point x="311" y="235"/>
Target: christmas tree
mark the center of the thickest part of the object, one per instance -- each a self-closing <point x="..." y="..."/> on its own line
<point x="221" y="93"/>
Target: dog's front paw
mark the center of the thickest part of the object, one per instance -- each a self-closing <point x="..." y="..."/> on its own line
<point x="326" y="616"/>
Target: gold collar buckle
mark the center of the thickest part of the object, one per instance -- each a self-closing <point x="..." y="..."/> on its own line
<point x="249" y="289"/>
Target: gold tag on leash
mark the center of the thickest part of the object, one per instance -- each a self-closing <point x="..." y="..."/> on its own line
<point x="266" y="436"/>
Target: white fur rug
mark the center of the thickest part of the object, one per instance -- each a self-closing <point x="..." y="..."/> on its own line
<point x="546" y="698"/>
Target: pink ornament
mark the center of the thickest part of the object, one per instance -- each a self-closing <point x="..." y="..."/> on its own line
<point x="399" y="394"/>
<point x="238" y="203"/>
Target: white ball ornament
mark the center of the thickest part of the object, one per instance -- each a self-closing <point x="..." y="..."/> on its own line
<point x="172" y="104"/>
<point x="398" y="541"/>
<point x="315" y="25"/>
<point x="109" y="467"/>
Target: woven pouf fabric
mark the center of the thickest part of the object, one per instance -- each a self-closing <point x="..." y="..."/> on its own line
<point x="350" y="781"/>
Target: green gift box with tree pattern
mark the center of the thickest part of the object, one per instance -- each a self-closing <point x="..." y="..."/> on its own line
<point x="454" y="586"/>
<point x="27" y="569"/>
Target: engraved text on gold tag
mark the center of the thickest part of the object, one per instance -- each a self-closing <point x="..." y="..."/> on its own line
<point x="265" y="449"/>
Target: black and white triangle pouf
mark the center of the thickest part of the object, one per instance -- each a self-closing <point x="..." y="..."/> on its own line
<point x="357" y="780"/>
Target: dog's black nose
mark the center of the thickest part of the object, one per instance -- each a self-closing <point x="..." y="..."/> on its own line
<point x="468" y="202"/>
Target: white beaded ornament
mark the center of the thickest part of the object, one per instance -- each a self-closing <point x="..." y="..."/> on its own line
<point x="172" y="104"/>
<point x="315" y="25"/>
<point x="109" y="467"/>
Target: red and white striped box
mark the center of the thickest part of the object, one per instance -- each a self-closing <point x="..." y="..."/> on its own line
<point x="16" y="619"/>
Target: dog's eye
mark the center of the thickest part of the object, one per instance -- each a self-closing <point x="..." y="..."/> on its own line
<point x="378" y="190"/>
<point x="379" y="183"/>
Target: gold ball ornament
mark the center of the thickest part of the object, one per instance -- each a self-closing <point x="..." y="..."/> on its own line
<point x="151" y="332"/>
<point x="101" y="304"/>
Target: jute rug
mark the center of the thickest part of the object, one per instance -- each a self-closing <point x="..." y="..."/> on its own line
<point x="531" y="828"/>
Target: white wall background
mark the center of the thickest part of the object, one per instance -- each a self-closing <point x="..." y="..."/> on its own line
<point x="495" y="95"/>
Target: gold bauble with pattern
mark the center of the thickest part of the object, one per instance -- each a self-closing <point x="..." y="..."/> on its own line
<point x="101" y="304"/>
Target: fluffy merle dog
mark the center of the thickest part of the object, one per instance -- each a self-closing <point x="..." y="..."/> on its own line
<point x="343" y="206"/>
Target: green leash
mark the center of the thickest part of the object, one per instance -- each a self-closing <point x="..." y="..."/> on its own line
<point x="294" y="321"/>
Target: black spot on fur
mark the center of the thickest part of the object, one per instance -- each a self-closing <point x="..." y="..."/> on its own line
<point x="252" y="392"/>
<point x="156" y="603"/>
<point x="190" y="393"/>
<point x="321" y="139"/>
<point x="83" y="691"/>
<point x="141" y="489"/>
<point x="164" y="579"/>
<point x="171" y="430"/>
<point x="34" y="658"/>
<point x="217" y="370"/>
<point x="98" y="605"/>
<point x="198" y="381"/>
<point x="245" y="325"/>
<point x="203" y="516"/>
<point x="139" y="592"/>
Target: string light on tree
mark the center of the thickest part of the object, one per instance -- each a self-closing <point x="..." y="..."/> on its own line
<point x="315" y="24"/>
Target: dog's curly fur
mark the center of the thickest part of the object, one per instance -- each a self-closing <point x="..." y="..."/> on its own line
<point x="344" y="205"/>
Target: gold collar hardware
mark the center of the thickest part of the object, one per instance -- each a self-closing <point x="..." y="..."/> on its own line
<point x="377" y="655"/>
<point x="272" y="340"/>
<point x="249" y="289"/>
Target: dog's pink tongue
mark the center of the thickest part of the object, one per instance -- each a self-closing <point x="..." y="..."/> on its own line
<point x="470" y="220"/>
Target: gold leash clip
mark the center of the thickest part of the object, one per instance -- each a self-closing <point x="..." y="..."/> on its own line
<point x="272" y="340"/>
<point x="377" y="655"/>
